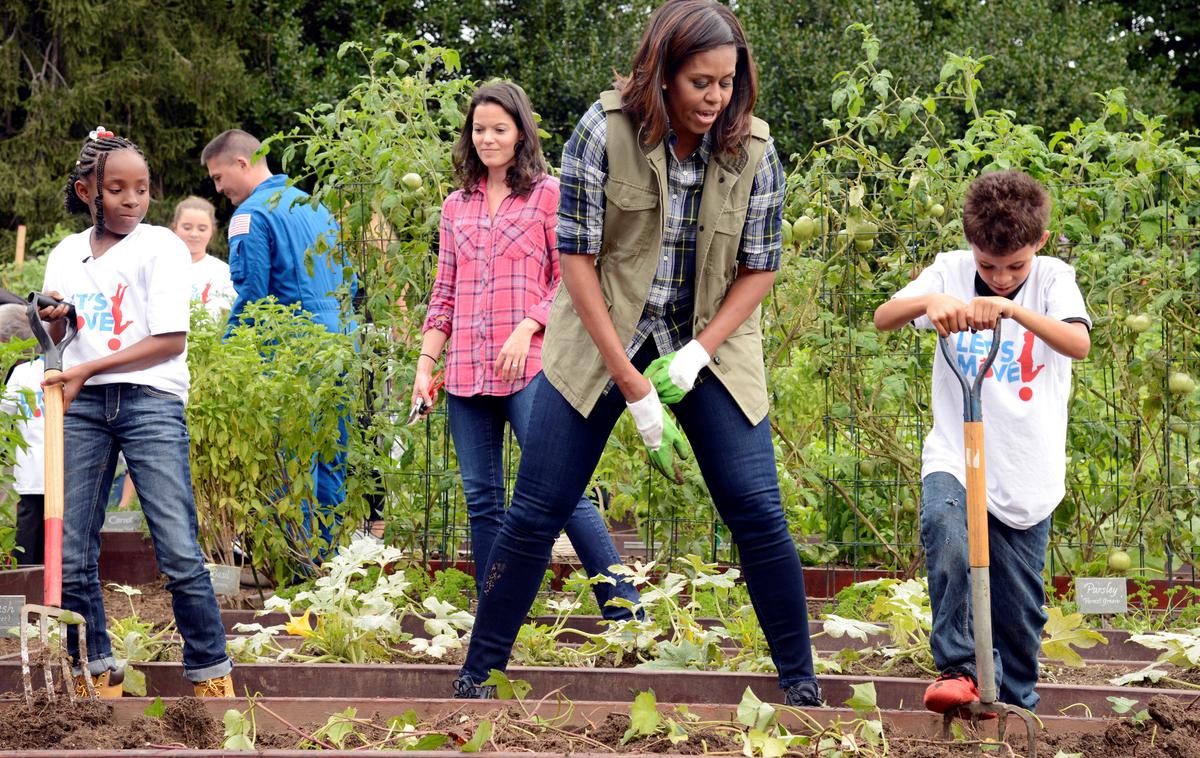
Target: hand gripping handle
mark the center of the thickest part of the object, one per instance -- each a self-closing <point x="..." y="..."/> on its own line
<point x="972" y="391"/>
<point x="53" y="351"/>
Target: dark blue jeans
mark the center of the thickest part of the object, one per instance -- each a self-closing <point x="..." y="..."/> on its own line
<point x="477" y="426"/>
<point x="1017" y="557"/>
<point x="148" y="425"/>
<point x="737" y="460"/>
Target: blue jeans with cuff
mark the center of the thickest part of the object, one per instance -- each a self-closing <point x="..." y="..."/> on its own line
<point x="477" y="426"/>
<point x="1017" y="557"/>
<point x="148" y="425"/>
<point x="737" y="460"/>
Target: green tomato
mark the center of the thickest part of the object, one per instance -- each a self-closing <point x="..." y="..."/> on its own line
<point x="788" y="233"/>
<point x="937" y="210"/>
<point x="412" y="180"/>
<point x="1138" y="322"/>
<point x="867" y="468"/>
<point x="1119" y="561"/>
<point x="803" y="229"/>
<point x="863" y="245"/>
<point x="865" y="231"/>
<point x="1180" y="383"/>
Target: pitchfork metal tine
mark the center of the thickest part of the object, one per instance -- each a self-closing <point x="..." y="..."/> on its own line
<point x="47" y="656"/>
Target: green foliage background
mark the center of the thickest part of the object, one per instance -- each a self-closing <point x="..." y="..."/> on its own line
<point x="170" y="76"/>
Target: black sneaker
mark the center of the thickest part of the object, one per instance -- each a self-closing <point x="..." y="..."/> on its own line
<point x="464" y="688"/>
<point x="804" y="695"/>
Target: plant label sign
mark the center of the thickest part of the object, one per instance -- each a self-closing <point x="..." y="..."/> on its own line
<point x="123" y="521"/>
<point x="1101" y="594"/>
<point x="10" y="614"/>
<point x="226" y="580"/>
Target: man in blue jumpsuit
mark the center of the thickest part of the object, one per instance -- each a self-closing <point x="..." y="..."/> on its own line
<point x="268" y="241"/>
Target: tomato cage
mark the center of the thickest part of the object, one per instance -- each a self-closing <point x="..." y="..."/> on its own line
<point x="850" y="405"/>
<point x="1132" y="471"/>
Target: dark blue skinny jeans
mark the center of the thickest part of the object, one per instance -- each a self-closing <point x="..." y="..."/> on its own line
<point x="148" y="425"/>
<point x="737" y="460"/>
<point x="477" y="427"/>
<point x="1017" y="557"/>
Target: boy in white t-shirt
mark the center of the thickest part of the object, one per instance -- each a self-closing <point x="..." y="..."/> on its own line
<point x="1025" y="394"/>
<point x="125" y="380"/>
<point x="25" y="384"/>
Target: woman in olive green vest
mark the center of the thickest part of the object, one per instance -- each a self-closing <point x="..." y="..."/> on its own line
<point x="669" y="234"/>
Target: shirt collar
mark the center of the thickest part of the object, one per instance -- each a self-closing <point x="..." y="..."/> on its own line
<point x="704" y="151"/>
<point x="983" y="290"/>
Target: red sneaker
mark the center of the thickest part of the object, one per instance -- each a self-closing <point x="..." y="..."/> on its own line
<point x="950" y="690"/>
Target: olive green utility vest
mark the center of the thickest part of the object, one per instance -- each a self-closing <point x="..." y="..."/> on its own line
<point x="635" y="208"/>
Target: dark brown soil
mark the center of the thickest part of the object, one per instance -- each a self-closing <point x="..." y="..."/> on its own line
<point x="185" y="721"/>
<point x="90" y="725"/>
<point x="1170" y="729"/>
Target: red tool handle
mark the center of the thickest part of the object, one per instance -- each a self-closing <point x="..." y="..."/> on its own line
<point x="52" y="398"/>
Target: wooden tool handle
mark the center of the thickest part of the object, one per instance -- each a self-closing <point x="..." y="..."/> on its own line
<point x="52" y="400"/>
<point x="977" y="525"/>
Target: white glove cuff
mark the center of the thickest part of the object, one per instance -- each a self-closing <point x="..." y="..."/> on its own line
<point x="687" y="364"/>
<point x="648" y="418"/>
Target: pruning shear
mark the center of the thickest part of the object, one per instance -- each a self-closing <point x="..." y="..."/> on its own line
<point x="419" y="407"/>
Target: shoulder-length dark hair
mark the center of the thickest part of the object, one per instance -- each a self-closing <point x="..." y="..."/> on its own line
<point x="529" y="165"/>
<point x="678" y="30"/>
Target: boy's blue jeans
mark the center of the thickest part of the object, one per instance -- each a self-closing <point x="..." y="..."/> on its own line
<point x="1017" y="558"/>
<point x="148" y="425"/>
<point x="477" y="426"/>
<point x="737" y="460"/>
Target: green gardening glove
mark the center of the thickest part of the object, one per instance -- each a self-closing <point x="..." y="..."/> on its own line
<point x="674" y="374"/>
<point x="674" y="450"/>
<point x="664" y="443"/>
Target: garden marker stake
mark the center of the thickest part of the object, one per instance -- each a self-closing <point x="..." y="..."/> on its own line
<point x="51" y="608"/>
<point x="977" y="542"/>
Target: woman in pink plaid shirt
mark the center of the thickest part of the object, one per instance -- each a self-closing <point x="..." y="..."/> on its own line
<point x="497" y="274"/>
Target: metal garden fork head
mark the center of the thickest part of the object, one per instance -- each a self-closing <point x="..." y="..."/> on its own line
<point x="52" y="655"/>
<point x="977" y="539"/>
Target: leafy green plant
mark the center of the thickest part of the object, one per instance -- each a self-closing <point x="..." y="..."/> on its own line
<point x="265" y="402"/>
<point x="1064" y="633"/>
<point x="135" y="641"/>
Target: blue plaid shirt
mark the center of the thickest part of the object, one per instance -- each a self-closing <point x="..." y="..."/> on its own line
<point x="667" y="317"/>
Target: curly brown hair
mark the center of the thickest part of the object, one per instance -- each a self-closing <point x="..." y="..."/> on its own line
<point x="528" y="164"/>
<point x="1005" y="211"/>
<point x="676" y="31"/>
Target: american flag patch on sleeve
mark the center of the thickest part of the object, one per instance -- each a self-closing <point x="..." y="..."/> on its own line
<point x="239" y="224"/>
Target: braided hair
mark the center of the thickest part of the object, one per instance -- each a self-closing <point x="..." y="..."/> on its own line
<point x="91" y="160"/>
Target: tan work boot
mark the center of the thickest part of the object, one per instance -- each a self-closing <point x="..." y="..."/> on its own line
<point x="221" y="686"/>
<point x="110" y="684"/>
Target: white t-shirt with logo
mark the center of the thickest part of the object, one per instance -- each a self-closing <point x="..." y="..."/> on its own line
<point x="1024" y="399"/>
<point x="140" y="287"/>
<point x="211" y="285"/>
<point x="29" y="469"/>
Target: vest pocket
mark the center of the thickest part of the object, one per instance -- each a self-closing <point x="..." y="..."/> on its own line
<point x="731" y="220"/>
<point x="630" y="197"/>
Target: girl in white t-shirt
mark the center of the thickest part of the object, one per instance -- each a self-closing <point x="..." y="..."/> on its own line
<point x="195" y="221"/>
<point x="125" y="380"/>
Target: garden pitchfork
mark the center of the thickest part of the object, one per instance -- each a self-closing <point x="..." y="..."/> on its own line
<point x="977" y="542"/>
<point x="52" y="399"/>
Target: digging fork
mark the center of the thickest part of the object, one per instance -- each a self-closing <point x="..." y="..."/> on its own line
<point x="52" y="655"/>
<point x="977" y="542"/>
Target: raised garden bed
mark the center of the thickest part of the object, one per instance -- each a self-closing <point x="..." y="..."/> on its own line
<point x="433" y="681"/>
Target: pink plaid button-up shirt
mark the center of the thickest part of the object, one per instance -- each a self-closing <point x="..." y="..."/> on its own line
<point x="492" y="273"/>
